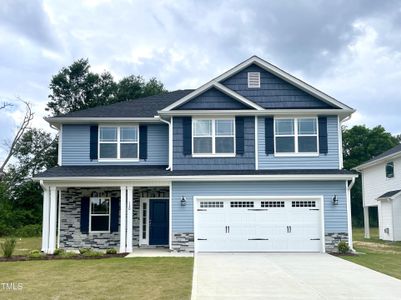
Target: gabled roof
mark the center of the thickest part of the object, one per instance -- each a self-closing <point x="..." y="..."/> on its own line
<point x="390" y="195"/>
<point x="392" y="153"/>
<point x="270" y="68"/>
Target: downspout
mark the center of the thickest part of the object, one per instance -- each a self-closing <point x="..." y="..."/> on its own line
<point x="170" y="143"/>
<point x="349" y="219"/>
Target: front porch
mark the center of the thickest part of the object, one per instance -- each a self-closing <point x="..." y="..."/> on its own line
<point x="124" y="217"/>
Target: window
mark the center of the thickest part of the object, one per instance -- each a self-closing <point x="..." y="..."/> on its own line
<point x="241" y="204"/>
<point x="296" y="136"/>
<point x="118" y="142"/>
<point x="272" y="204"/>
<point x="303" y="204"/>
<point x="253" y="80"/>
<point x="390" y="170"/>
<point x="99" y="214"/>
<point x="212" y="204"/>
<point x="213" y="137"/>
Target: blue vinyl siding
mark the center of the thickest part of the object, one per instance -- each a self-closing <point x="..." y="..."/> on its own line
<point x="335" y="216"/>
<point x="212" y="99"/>
<point x="323" y="161"/>
<point x="75" y="146"/>
<point x="240" y="162"/>
<point x="274" y="92"/>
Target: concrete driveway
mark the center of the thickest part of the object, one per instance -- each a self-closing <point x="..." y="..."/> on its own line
<point x="287" y="276"/>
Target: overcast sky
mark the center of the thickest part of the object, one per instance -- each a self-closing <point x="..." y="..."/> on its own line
<point x="348" y="49"/>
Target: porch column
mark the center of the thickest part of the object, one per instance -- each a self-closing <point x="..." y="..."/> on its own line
<point x="45" y="222"/>
<point x="129" y="218"/>
<point x="123" y="218"/>
<point x="366" y="222"/>
<point x="52" y="220"/>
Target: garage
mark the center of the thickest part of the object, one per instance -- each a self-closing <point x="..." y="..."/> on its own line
<point x="258" y="224"/>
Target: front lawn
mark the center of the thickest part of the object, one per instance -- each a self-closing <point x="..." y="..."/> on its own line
<point x="378" y="255"/>
<point x="113" y="278"/>
<point x="25" y="245"/>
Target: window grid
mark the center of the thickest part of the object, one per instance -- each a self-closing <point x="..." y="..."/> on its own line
<point x="272" y="204"/>
<point x="118" y="142"/>
<point x="241" y="204"/>
<point x="303" y="203"/>
<point x="295" y="135"/>
<point x="91" y="214"/>
<point x="212" y="204"/>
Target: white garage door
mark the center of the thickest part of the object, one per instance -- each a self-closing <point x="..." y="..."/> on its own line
<point x="275" y="225"/>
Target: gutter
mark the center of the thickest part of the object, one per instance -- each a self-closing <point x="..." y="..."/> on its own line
<point x="170" y="142"/>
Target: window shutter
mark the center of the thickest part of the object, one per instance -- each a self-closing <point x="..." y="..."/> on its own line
<point x="114" y="214"/>
<point x="323" y="143"/>
<point x="143" y="142"/>
<point x="85" y="215"/>
<point x="239" y="135"/>
<point x="269" y="135"/>
<point x="93" y="142"/>
<point x="187" y="135"/>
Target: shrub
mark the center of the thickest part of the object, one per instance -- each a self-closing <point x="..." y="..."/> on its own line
<point x="92" y="253"/>
<point x="6" y="230"/>
<point x="59" y="252"/>
<point x="29" y="230"/>
<point x="84" y="250"/>
<point x="111" y="251"/>
<point x="343" y="247"/>
<point x="35" y="254"/>
<point x="8" y="247"/>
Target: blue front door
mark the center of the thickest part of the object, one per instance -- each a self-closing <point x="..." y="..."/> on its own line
<point x="158" y="222"/>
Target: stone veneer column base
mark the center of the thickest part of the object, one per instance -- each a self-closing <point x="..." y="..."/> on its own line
<point x="332" y="240"/>
<point x="183" y="242"/>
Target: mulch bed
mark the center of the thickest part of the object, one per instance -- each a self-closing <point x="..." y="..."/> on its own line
<point x="343" y="254"/>
<point x="55" y="257"/>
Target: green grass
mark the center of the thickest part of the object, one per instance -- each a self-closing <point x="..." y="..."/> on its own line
<point x="113" y="278"/>
<point x="382" y="256"/>
<point x="25" y="245"/>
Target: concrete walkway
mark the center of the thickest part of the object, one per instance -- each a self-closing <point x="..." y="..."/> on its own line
<point x="157" y="252"/>
<point x="287" y="276"/>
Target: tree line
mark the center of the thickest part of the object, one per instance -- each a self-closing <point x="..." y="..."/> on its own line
<point x="76" y="87"/>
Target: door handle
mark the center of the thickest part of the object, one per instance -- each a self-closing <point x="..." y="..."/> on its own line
<point x="228" y="229"/>
<point x="288" y="229"/>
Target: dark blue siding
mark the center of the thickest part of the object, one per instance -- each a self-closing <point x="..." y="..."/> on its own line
<point x="274" y="92"/>
<point x="240" y="162"/>
<point x="212" y="99"/>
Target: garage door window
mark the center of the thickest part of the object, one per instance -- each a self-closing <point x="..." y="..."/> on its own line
<point x="212" y="204"/>
<point x="303" y="203"/>
<point x="241" y="204"/>
<point x="272" y="204"/>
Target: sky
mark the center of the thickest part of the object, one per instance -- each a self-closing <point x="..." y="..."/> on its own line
<point x="351" y="50"/>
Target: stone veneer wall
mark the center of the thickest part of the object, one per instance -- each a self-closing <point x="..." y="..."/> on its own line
<point x="183" y="242"/>
<point x="71" y="237"/>
<point x="332" y="240"/>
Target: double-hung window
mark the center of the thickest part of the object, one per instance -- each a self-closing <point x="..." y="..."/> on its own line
<point x="99" y="214"/>
<point x="118" y="142"/>
<point x="296" y="136"/>
<point x="390" y="169"/>
<point x="213" y="137"/>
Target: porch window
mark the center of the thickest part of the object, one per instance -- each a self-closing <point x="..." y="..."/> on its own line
<point x="213" y="137"/>
<point x="296" y="136"/>
<point x="119" y="142"/>
<point x="99" y="214"/>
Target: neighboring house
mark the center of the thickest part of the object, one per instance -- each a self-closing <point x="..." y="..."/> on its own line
<point x="381" y="188"/>
<point x="250" y="161"/>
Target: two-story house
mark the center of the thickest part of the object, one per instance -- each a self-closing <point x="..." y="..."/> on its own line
<point x="250" y="161"/>
<point x="381" y="189"/>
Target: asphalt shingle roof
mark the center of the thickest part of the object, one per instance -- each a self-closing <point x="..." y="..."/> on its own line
<point x="137" y="108"/>
<point x="389" y="194"/>
<point x="129" y="171"/>
<point x="393" y="150"/>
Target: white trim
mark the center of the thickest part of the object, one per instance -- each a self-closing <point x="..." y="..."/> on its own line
<point x="237" y="96"/>
<point x="170" y="216"/>
<point x="46" y="218"/>
<point x="250" y="83"/>
<point x="98" y="215"/>
<point x="52" y="220"/>
<point x="170" y="142"/>
<point x="320" y="198"/>
<point x="118" y="142"/>
<point x="340" y="145"/>
<point x="270" y="68"/>
<point x="130" y="216"/>
<point x="123" y="219"/>
<point x="256" y="143"/>
<point x="143" y="241"/>
<point x="378" y="161"/>
<point x="60" y="146"/>
<point x="348" y="188"/>
<point x="389" y="198"/>
<point x="56" y="121"/>
<point x="58" y="218"/>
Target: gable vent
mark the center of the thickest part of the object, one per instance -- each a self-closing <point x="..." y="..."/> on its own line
<point x="253" y="80"/>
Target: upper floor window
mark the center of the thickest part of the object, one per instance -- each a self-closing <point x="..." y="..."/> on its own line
<point x="390" y="169"/>
<point x="213" y="137"/>
<point x="296" y="136"/>
<point x="118" y="142"/>
<point x="253" y="80"/>
<point x="99" y="214"/>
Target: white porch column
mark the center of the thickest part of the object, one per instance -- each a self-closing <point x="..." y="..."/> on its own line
<point x="129" y="218"/>
<point x="45" y="222"/>
<point x="366" y="222"/>
<point x="349" y="220"/>
<point x="123" y="219"/>
<point x="52" y="220"/>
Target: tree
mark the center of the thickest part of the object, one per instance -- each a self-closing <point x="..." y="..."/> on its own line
<point x="75" y="87"/>
<point x="359" y="145"/>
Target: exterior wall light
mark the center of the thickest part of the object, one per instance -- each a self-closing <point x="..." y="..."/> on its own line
<point x="335" y="200"/>
<point x="183" y="201"/>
